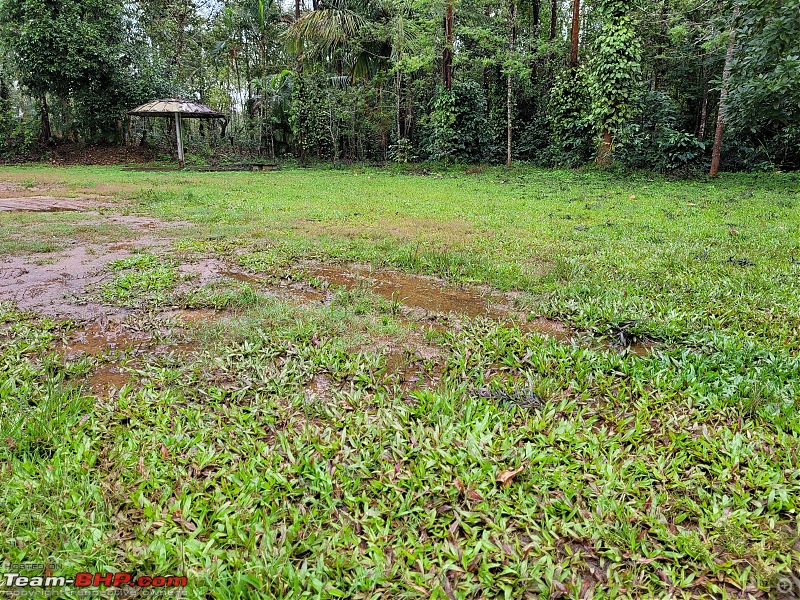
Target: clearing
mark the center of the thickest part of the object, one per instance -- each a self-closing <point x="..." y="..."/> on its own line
<point x="366" y="383"/>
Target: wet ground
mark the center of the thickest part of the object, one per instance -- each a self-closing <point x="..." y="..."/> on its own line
<point x="55" y="284"/>
<point x="61" y="285"/>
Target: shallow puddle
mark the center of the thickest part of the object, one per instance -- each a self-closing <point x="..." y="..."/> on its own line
<point x="105" y="379"/>
<point x="410" y="290"/>
<point x="98" y="339"/>
<point x="436" y="296"/>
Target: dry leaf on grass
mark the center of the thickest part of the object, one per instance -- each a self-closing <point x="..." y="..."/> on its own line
<point x="505" y="477"/>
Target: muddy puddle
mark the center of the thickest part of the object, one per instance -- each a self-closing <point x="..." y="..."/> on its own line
<point x="429" y="297"/>
<point x="105" y="380"/>
<point x="430" y="302"/>
<point x="100" y="339"/>
<point x="412" y="291"/>
<point x="105" y="340"/>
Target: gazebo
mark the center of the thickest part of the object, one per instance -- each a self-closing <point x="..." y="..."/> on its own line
<point x="177" y="109"/>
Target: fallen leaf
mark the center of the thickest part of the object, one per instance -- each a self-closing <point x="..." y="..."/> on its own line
<point x="164" y="451"/>
<point x="691" y="204"/>
<point x="187" y="525"/>
<point x="506" y="476"/>
<point x="141" y="466"/>
<point x="472" y="567"/>
<point x="632" y="197"/>
<point x="733" y="232"/>
<point x="647" y="561"/>
<point x="473" y="495"/>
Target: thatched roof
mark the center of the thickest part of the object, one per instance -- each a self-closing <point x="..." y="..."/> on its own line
<point x="169" y="106"/>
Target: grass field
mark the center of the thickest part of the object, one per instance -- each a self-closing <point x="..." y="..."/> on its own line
<point x="233" y="397"/>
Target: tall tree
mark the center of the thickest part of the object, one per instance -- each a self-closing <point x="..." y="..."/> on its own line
<point x="615" y="65"/>
<point x="723" y="97"/>
<point x="68" y="49"/>
<point x="575" y="35"/>
<point x="512" y="38"/>
<point x="447" y="52"/>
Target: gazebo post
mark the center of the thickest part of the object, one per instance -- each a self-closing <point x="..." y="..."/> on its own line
<point x="174" y="108"/>
<point x="179" y="138"/>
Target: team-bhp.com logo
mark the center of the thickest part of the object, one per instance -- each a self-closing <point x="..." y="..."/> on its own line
<point x="789" y="585"/>
<point x="14" y="583"/>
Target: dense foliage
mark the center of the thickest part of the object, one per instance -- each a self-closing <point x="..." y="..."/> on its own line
<point x="364" y="79"/>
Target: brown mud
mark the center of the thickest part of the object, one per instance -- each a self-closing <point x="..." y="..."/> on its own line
<point x="428" y="301"/>
<point x="104" y="340"/>
<point x="55" y="283"/>
<point x="105" y="380"/>
<point x="431" y="297"/>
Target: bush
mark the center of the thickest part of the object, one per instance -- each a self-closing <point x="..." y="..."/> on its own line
<point x="569" y="115"/>
<point x="650" y="138"/>
<point x="456" y="127"/>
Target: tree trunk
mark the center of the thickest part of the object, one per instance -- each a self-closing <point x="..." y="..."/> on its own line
<point x="659" y="66"/>
<point x="606" y="149"/>
<point x="302" y="125"/>
<point x="726" y="75"/>
<point x="536" y="9"/>
<point x="701" y="129"/>
<point x="398" y="88"/>
<point x="447" y="54"/>
<point x="576" y="28"/>
<point x="45" y="132"/>
<point x="180" y="36"/>
<point x="553" y="19"/>
<point x="510" y="97"/>
<point x="299" y="43"/>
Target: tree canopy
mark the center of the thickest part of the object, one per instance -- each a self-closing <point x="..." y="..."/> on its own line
<point x="554" y="82"/>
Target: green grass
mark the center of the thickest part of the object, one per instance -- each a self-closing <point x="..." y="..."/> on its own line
<point x="284" y="456"/>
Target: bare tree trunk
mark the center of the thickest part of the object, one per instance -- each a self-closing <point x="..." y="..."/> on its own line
<point x="536" y="9"/>
<point x="510" y="97"/>
<point x="447" y="54"/>
<point x="398" y="89"/>
<point x="576" y="28"/>
<point x="726" y="75"/>
<point x="553" y="19"/>
<point x="180" y="36"/>
<point x="701" y="129"/>
<point x="45" y="133"/>
<point x="302" y="141"/>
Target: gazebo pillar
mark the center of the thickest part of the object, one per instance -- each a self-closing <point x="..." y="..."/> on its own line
<point x="175" y="108"/>
<point x="179" y="138"/>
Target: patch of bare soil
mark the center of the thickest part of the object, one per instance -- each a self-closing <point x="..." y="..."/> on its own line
<point x="79" y="154"/>
<point x="429" y="301"/>
<point x="54" y="283"/>
<point x="48" y="204"/>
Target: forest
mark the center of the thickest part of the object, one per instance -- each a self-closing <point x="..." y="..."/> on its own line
<point x="664" y="85"/>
